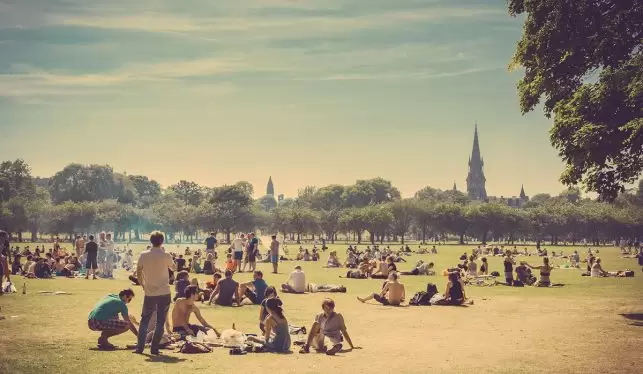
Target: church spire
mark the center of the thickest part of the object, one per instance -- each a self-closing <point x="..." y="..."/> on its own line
<point x="270" y="189"/>
<point x="522" y="191"/>
<point x="476" y="180"/>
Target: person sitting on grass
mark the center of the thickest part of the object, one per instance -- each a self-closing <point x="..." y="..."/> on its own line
<point x="183" y="308"/>
<point x="383" y="268"/>
<point x="523" y="274"/>
<point x="545" y="270"/>
<point x="454" y="293"/>
<point x="271" y="293"/>
<point x="392" y="293"/>
<point x="366" y="267"/>
<point x="180" y="284"/>
<point x="328" y="324"/>
<point x="597" y="269"/>
<point x="333" y="261"/>
<point x="276" y="336"/>
<point x="422" y="268"/>
<point x="226" y="291"/>
<point x="255" y="290"/>
<point x="104" y="317"/>
<point x="296" y="282"/>
<point x="230" y="264"/>
<point x="196" y="265"/>
<point x="472" y="266"/>
<point x="209" y="287"/>
<point x="208" y="265"/>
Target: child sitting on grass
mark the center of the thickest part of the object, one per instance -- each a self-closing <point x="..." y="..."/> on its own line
<point x="181" y="283"/>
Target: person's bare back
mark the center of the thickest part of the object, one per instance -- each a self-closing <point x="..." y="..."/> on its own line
<point x="395" y="293"/>
<point x="181" y="312"/>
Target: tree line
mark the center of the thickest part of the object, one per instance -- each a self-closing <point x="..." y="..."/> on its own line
<point x="88" y="198"/>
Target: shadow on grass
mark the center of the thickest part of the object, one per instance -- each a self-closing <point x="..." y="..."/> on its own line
<point x="636" y="318"/>
<point x="163" y="358"/>
<point x="109" y="350"/>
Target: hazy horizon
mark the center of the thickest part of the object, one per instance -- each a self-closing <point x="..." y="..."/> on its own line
<point x="310" y="92"/>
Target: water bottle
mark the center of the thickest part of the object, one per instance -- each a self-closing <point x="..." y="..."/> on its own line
<point x="24" y="288"/>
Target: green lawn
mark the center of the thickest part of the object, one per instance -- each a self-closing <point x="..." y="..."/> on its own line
<point x="577" y="327"/>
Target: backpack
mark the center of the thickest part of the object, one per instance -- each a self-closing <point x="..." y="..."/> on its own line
<point x="194" y="347"/>
<point x="420" y="298"/>
<point x="495" y="273"/>
<point x="628" y="273"/>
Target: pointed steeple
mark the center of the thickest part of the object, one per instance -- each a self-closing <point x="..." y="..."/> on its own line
<point x="270" y="189"/>
<point x="522" y="191"/>
<point x="476" y="180"/>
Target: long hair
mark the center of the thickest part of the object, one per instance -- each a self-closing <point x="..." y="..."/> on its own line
<point x="273" y="305"/>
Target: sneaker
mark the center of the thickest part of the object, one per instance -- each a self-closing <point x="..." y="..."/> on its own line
<point x="304" y="349"/>
<point x="336" y="348"/>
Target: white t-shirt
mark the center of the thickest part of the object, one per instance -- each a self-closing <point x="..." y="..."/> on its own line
<point x="153" y="265"/>
<point x="297" y="281"/>
<point x="237" y="245"/>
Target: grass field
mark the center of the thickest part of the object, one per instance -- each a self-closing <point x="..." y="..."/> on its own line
<point x="588" y="325"/>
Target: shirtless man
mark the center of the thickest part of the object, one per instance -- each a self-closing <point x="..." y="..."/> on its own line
<point x="393" y="292"/>
<point x="183" y="308"/>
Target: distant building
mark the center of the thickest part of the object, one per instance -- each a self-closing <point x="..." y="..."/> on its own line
<point x="280" y="198"/>
<point x="475" y="179"/>
<point x="520" y="201"/>
<point x="270" y="189"/>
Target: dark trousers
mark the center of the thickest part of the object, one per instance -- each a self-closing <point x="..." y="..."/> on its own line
<point x="160" y="304"/>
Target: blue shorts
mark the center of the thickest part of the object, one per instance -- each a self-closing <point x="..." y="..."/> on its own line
<point x="274" y="259"/>
<point x="238" y="255"/>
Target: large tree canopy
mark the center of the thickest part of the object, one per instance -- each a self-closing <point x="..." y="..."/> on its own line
<point x="585" y="58"/>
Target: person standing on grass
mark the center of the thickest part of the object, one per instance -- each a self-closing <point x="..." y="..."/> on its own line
<point x="91" y="255"/>
<point x="251" y="252"/>
<point x="5" y="252"/>
<point x="80" y="245"/>
<point x="104" y="317"/>
<point x="274" y="254"/>
<point x="210" y="243"/>
<point x="109" y="257"/>
<point x="237" y="251"/>
<point x="152" y="274"/>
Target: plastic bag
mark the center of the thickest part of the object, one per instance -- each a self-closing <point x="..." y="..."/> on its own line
<point x="8" y="287"/>
<point x="233" y="338"/>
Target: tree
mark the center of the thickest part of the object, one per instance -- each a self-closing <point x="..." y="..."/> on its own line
<point x="572" y="194"/>
<point x="353" y="220"/>
<point x="302" y="219"/>
<point x="329" y="197"/>
<point x="306" y="195"/>
<point x="147" y="189"/>
<point x="371" y="191"/>
<point x="598" y="124"/>
<point x="15" y="180"/>
<point x="402" y="211"/>
<point x="451" y="217"/>
<point x="239" y="193"/>
<point x="267" y="203"/>
<point x="329" y="222"/>
<point x="378" y="220"/>
<point x="80" y="183"/>
<point x="189" y="192"/>
<point x="423" y="215"/>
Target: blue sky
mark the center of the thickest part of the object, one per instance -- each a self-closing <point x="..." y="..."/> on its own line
<point x="312" y="92"/>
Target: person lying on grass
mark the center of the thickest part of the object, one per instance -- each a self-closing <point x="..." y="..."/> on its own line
<point x="254" y="290"/>
<point x="393" y="292"/>
<point x="104" y="317"/>
<point x="422" y="268"/>
<point x="328" y="324"/>
<point x="183" y="308"/>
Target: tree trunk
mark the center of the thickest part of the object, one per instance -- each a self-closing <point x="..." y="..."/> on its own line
<point x="227" y="236"/>
<point x="461" y="239"/>
<point x="423" y="235"/>
<point x="34" y="235"/>
<point x="359" y="238"/>
<point x="298" y="238"/>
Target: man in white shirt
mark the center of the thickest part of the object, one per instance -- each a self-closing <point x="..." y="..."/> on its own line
<point x="153" y="275"/>
<point x="237" y="247"/>
<point x="296" y="283"/>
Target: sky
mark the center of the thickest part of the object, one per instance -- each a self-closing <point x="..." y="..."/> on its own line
<point x="310" y="92"/>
